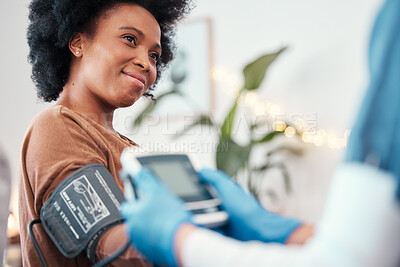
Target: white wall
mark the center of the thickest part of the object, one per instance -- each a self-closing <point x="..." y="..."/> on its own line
<point x="323" y="72"/>
<point x="18" y="102"/>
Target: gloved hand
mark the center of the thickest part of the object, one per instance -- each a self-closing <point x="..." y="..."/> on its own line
<point x="153" y="219"/>
<point x="374" y="138"/>
<point x="248" y="220"/>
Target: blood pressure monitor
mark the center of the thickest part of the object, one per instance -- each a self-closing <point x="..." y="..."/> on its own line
<point x="179" y="173"/>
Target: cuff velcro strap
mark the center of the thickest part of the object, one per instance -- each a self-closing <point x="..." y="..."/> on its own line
<point x="81" y="209"/>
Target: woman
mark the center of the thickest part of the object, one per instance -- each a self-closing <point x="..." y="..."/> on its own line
<point x="92" y="57"/>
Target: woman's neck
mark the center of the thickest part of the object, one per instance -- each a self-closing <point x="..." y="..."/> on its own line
<point x="88" y="106"/>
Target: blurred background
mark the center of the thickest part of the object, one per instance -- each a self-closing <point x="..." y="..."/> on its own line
<point x="316" y="83"/>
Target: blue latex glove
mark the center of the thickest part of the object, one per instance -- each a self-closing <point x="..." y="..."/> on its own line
<point x="153" y="219"/>
<point x="248" y="220"/>
<point x="375" y="135"/>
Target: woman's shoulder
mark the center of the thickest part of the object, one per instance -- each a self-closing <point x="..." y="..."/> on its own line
<point x="48" y="114"/>
<point x="58" y="133"/>
<point x="55" y="123"/>
<point x="54" y="112"/>
<point x="58" y="117"/>
<point x="52" y="115"/>
<point x="47" y="118"/>
<point x="45" y="125"/>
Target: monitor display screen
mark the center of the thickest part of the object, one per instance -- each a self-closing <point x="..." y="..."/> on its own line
<point x="178" y="174"/>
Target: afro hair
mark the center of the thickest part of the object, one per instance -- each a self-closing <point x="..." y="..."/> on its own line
<point x="53" y="22"/>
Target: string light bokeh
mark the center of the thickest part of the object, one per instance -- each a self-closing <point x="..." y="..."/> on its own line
<point x="230" y="84"/>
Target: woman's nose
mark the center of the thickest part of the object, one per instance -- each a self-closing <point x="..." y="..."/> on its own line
<point x="142" y="61"/>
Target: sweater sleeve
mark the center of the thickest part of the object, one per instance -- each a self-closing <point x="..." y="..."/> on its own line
<point x="57" y="144"/>
<point x="111" y="241"/>
<point x="54" y="147"/>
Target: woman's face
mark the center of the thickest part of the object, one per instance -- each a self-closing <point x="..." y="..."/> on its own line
<point x="118" y="64"/>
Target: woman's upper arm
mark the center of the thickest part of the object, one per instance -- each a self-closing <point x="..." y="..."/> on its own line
<point x="54" y="148"/>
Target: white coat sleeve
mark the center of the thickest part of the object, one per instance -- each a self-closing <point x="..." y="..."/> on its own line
<point x="360" y="227"/>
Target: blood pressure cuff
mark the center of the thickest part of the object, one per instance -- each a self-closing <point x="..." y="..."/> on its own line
<point x="81" y="209"/>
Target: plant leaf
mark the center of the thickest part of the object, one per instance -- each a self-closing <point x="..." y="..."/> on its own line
<point x="146" y="112"/>
<point x="294" y="150"/>
<point x="231" y="157"/>
<point x="282" y="167"/>
<point x="226" y="128"/>
<point x="286" y="178"/>
<point x="254" y="72"/>
<point x="202" y="120"/>
<point x="151" y="106"/>
<point x="268" y="137"/>
<point x="259" y="124"/>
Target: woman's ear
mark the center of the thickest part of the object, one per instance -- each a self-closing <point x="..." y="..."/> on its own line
<point x="75" y="44"/>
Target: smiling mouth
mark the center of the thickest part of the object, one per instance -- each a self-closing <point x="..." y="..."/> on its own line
<point x="137" y="79"/>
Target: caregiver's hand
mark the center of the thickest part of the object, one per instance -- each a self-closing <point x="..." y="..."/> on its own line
<point x="248" y="220"/>
<point x="153" y="220"/>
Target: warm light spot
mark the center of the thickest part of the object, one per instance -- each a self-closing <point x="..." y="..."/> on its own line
<point x="290" y="131"/>
<point x="242" y="102"/>
<point x="307" y="137"/>
<point x="279" y="126"/>
<point x="218" y="72"/>
<point x="346" y="137"/>
<point x="318" y="140"/>
<point x="333" y="141"/>
<point x="251" y="99"/>
<point x="322" y="133"/>
<point x="259" y="109"/>
<point x="299" y="123"/>
<point x="230" y="83"/>
<point x="320" y="137"/>
<point x="12" y="226"/>
<point x="273" y="109"/>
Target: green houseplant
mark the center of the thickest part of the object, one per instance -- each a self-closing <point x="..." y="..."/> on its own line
<point x="231" y="157"/>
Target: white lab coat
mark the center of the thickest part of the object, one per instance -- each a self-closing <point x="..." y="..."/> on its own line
<point x="360" y="227"/>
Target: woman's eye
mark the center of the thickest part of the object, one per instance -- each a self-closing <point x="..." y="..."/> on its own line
<point x="155" y="56"/>
<point x="130" y="38"/>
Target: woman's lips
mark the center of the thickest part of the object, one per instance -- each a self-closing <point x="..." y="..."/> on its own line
<point x="136" y="78"/>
